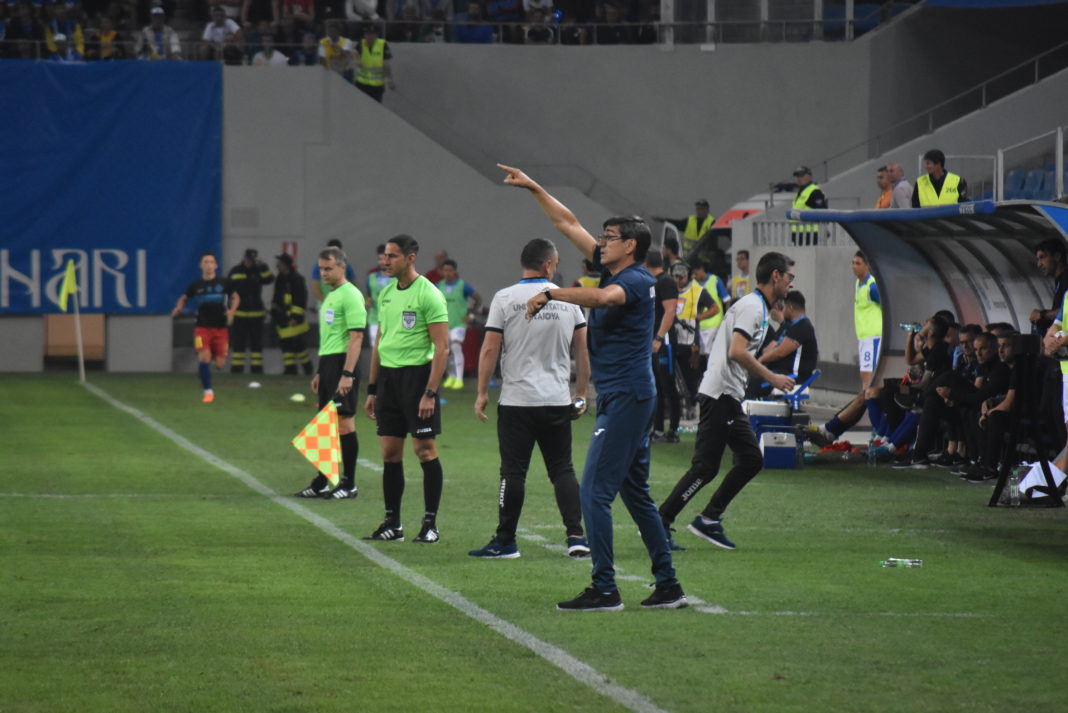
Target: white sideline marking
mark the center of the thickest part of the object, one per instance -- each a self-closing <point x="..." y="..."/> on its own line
<point x="579" y="670"/>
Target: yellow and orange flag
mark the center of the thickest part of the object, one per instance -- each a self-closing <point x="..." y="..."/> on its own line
<point x="319" y="443"/>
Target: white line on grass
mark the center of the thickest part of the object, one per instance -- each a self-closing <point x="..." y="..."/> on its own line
<point x="579" y="670"/>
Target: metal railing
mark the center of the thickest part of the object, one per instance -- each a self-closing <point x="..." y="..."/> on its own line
<point x="781" y="234"/>
<point x="973" y="99"/>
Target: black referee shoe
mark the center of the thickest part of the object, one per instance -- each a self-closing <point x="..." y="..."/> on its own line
<point x="670" y="597"/>
<point x="341" y="493"/>
<point x="311" y="492"/>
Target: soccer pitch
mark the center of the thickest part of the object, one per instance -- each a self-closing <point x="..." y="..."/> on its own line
<point x="151" y="560"/>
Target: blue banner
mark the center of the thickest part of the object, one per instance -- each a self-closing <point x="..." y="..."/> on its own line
<point x="116" y="165"/>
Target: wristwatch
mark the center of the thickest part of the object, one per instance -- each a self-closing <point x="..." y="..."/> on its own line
<point x="431" y="393"/>
<point x="657" y="338"/>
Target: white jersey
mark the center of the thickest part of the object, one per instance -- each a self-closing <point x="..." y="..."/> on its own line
<point x="748" y="316"/>
<point x="535" y="354"/>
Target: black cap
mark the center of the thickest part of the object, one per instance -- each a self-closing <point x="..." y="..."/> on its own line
<point x="285" y="258"/>
<point x="802" y="171"/>
<point x="251" y="254"/>
<point x="702" y="202"/>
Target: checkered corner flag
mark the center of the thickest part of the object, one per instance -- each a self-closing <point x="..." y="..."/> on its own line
<point x="320" y="444"/>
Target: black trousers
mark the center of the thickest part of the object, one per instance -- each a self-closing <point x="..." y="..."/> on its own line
<point x="723" y="424"/>
<point x="519" y="428"/>
<point x="246" y="334"/>
<point x="667" y="396"/>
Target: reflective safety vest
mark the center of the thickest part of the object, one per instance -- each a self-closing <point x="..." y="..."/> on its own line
<point x="867" y="315"/>
<point x="950" y="190"/>
<point x="694" y="231"/>
<point x="800" y="203"/>
<point x="589" y="281"/>
<point x="712" y="288"/>
<point x="685" y="326"/>
<point x="372" y="60"/>
<point x="334" y="54"/>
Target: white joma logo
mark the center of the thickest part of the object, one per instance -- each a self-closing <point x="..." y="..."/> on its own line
<point x="598" y="432"/>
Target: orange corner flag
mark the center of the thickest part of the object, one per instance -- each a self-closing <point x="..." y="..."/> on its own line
<point x="319" y="443"/>
<point x="69" y="286"/>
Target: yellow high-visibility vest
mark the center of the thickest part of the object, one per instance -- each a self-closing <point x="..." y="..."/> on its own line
<point x="694" y="231"/>
<point x="372" y="59"/>
<point x="800" y="201"/>
<point x="950" y="190"/>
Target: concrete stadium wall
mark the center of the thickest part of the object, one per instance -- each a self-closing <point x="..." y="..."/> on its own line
<point x="638" y="128"/>
<point x="309" y="158"/>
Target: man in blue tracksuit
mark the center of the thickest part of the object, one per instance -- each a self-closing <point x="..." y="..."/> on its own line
<point x="620" y="322"/>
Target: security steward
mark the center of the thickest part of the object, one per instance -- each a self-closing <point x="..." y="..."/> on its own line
<point x="692" y="227"/>
<point x="938" y="186"/>
<point x="808" y="196"/>
<point x="246" y="333"/>
<point x="373" y="68"/>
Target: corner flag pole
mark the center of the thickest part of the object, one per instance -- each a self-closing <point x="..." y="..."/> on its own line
<point x="70" y="288"/>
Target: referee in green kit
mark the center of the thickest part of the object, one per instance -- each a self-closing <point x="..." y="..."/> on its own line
<point x="407" y="364"/>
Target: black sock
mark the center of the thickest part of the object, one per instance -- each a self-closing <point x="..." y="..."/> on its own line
<point x="393" y="490"/>
<point x="320" y="481"/>
<point x="432" y="479"/>
<point x="350" y="450"/>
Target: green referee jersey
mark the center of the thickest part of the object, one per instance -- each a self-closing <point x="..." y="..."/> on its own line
<point x="342" y="311"/>
<point x="403" y="318"/>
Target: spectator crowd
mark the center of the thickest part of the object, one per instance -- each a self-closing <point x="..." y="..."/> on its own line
<point x="290" y="32"/>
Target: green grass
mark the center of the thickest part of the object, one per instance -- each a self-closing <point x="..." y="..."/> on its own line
<point x="162" y="583"/>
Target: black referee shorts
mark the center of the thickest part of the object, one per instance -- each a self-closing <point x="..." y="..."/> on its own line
<point x="399" y="390"/>
<point x="330" y="366"/>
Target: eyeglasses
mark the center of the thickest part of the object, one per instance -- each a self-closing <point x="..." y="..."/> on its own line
<point x="605" y="239"/>
<point x="790" y="276"/>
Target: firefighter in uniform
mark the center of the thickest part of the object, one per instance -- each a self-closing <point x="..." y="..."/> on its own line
<point x="287" y="311"/>
<point x="246" y="333"/>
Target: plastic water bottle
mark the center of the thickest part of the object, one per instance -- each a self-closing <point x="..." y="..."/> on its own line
<point x="873" y="457"/>
<point x="911" y="326"/>
<point x="1014" y="488"/>
<point x="901" y="562"/>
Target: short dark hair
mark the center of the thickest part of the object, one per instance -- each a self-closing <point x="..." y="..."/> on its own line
<point x="631" y="227"/>
<point x="769" y="263"/>
<point x="207" y="253"/>
<point x="935" y="156"/>
<point x="406" y="243"/>
<point x="795" y="298"/>
<point x="862" y="256"/>
<point x="881" y="169"/>
<point x="743" y="252"/>
<point x="946" y="316"/>
<point x="988" y="337"/>
<point x="654" y="259"/>
<point x="381" y="248"/>
<point x="972" y="329"/>
<point x="1053" y="247"/>
<point x="450" y="262"/>
<point x="671" y="243"/>
<point x="939" y="328"/>
<point x="333" y="243"/>
<point x="335" y="254"/>
<point x="536" y="253"/>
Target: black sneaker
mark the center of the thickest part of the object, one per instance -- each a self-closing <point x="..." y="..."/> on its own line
<point x="387" y="531"/>
<point x="968" y="470"/>
<point x="592" y="600"/>
<point x="342" y="493"/>
<point x="671" y="437"/>
<point x="670" y="597"/>
<point x="981" y="475"/>
<point x="428" y="533"/>
<point x="946" y="460"/>
<point x="912" y="464"/>
<point x="577" y="546"/>
<point x="711" y="531"/>
<point x="311" y="492"/>
<point x="962" y="469"/>
<point x="495" y="550"/>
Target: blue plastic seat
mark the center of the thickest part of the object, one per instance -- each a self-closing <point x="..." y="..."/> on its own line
<point x="1033" y="184"/>
<point x="1014" y="184"/>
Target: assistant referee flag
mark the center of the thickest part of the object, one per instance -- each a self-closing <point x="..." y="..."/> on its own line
<point x="319" y="443"/>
